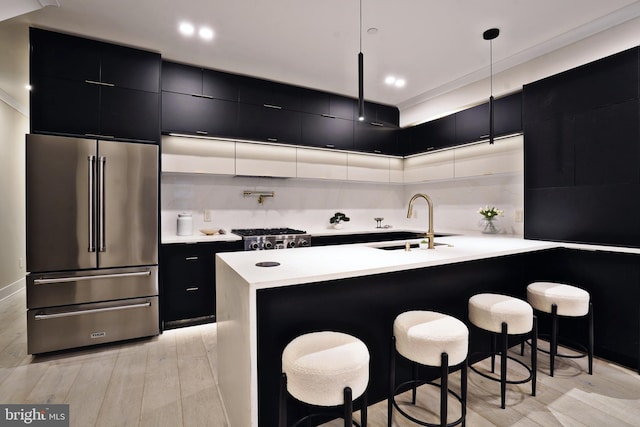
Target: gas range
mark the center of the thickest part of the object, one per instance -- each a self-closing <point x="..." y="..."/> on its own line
<point x="256" y="239"/>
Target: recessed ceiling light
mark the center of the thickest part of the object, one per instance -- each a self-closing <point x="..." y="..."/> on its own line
<point x="186" y="28"/>
<point x="400" y="82"/>
<point x="205" y="33"/>
<point x="390" y="80"/>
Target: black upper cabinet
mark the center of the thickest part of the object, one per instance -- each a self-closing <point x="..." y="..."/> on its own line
<point x="269" y="94"/>
<point x="507" y="115"/>
<point x="610" y="80"/>
<point x="186" y="79"/>
<point x="195" y="115"/>
<point x="429" y="136"/>
<point x="326" y="131"/>
<point x="378" y="114"/>
<point x="269" y="124"/>
<point x="472" y="124"/>
<point x="327" y="104"/>
<point x="378" y="132"/>
<point x="86" y="87"/>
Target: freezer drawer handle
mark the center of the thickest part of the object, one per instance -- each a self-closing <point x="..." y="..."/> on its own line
<point x="99" y="276"/>
<point x="192" y="289"/>
<point x="94" y="310"/>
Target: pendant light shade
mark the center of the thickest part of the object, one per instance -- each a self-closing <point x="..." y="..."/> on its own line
<point x="491" y="34"/>
<point x="360" y="74"/>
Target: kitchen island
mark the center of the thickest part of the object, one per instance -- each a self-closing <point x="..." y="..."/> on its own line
<point x="357" y="289"/>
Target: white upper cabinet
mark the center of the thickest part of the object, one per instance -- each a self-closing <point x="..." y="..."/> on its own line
<point x="265" y="160"/>
<point x="321" y="164"/>
<point x="197" y="155"/>
<point x="365" y="167"/>
<point x="503" y="156"/>
<point x="429" y="167"/>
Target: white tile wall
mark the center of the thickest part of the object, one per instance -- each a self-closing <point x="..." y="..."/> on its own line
<point x="308" y="204"/>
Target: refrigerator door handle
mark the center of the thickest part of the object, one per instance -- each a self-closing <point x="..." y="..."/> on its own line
<point x="93" y="310"/>
<point x="98" y="276"/>
<point x="102" y="244"/>
<point x="92" y="162"/>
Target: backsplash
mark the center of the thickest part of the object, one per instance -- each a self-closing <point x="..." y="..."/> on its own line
<point x="308" y="204"/>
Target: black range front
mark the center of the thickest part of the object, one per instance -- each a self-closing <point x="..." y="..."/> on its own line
<point x="256" y="239"/>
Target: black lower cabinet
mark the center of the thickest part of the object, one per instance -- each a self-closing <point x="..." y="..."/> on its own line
<point x="613" y="280"/>
<point x="188" y="282"/>
<point x="365" y="307"/>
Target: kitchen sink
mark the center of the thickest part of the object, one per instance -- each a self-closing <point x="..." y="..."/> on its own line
<point x="397" y="246"/>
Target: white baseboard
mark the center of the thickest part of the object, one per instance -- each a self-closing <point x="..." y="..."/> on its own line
<point x="12" y="288"/>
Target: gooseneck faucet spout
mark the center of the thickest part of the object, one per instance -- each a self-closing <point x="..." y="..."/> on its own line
<point x="430" y="233"/>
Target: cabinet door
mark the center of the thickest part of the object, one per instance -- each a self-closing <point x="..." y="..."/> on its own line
<point x="129" y="114"/>
<point x="342" y="107"/>
<point x="63" y="56"/>
<point x="548" y="153"/>
<point x="315" y="102"/>
<point x="607" y="145"/>
<point x="376" y="137"/>
<point x="610" y="80"/>
<point x="472" y="124"/>
<point x="507" y="117"/>
<point x="64" y="107"/>
<point x="269" y="94"/>
<point x="328" y="132"/>
<point x="196" y="115"/>
<point x="439" y="133"/>
<point x="130" y="68"/>
<point x="269" y="124"/>
<point x="219" y="85"/>
<point x="188" y="283"/>
<point x="181" y="78"/>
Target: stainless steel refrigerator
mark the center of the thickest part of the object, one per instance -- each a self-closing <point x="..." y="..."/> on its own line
<point x="92" y="241"/>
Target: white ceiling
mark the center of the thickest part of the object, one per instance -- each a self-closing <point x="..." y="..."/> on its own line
<point x="431" y="43"/>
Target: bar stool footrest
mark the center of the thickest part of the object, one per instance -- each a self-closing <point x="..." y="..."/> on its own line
<point x="418" y="383"/>
<point x="497" y="379"/>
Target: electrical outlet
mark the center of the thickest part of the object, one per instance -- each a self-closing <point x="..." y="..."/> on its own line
<point x="519" y="215"/>
<point x="20" y="263"/>
<point x="207" y="215"/>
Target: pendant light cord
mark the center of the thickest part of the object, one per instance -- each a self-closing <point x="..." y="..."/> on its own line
<point x="360" y="25"/>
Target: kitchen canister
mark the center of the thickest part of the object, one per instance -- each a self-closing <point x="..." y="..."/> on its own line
<point x="185" y="224"/>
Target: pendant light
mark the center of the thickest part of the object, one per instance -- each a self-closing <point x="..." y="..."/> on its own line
<point x="491" y="34"/>
<point x="360" y="74"/>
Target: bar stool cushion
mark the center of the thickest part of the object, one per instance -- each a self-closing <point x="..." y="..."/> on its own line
<point x="488" y="311"/>
<point x="422" y="336"/>
<point x="571" y="301"/>
<point x="319" y="365"/>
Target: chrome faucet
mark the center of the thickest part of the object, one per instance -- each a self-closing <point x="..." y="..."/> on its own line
<point x="430" y="233"/>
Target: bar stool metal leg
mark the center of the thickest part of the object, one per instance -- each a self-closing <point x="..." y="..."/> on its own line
<point x="553" y="350"/>
<point x="282" y="417"/>
<point x="590" y="349"/>
<point x="444" y="388"/>
<point x="348" y="408"/>
<point x="534" y="355"/>
<point x="503" y="365"/>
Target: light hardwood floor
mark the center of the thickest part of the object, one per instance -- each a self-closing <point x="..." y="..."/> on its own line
<point x="169" y="381"/>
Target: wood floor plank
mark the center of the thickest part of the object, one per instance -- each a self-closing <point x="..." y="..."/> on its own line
<point x="123" y="397"/>
<point x="161" y="400"/>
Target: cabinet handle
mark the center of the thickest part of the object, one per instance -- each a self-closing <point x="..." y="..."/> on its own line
<point x="202" y="132"/>
<point x="377" y="124"/>
<point x="97" y="135"/>
<point x="191" y="258"/>
<point x="197" y="95"/>
<point x="272" y="139"/>
<point x="93" y="82"/>
<point x="377" y="151"/>
<point x="328" y="115"/>
<point x="330" y="146"/>
<point x="277" y="107"/>
<point x="192" y="289"/>
<point x="430" y="148"/>
<point x="484" y="136"/>
<point x="43" y="316"/>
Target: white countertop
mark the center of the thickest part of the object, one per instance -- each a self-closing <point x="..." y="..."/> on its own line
<point x="322" y="263"/>
<point x="198" y="237"/>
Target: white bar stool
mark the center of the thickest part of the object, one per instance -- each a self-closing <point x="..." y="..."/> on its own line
<point x="561" y="300"/>
<point x="325" y="369"/>
<point x="431" y="339"/>
<point x="502" y="315"/>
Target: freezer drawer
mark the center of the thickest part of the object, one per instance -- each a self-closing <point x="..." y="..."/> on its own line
<point x="79" y="287"/>
<point x="59" y="328"/>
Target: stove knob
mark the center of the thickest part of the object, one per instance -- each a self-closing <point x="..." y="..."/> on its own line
<point x="253" y="246"/>
<point x="291" y="244"/>
<point x="303" y="243"/>
<point x="268" y="245"/>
